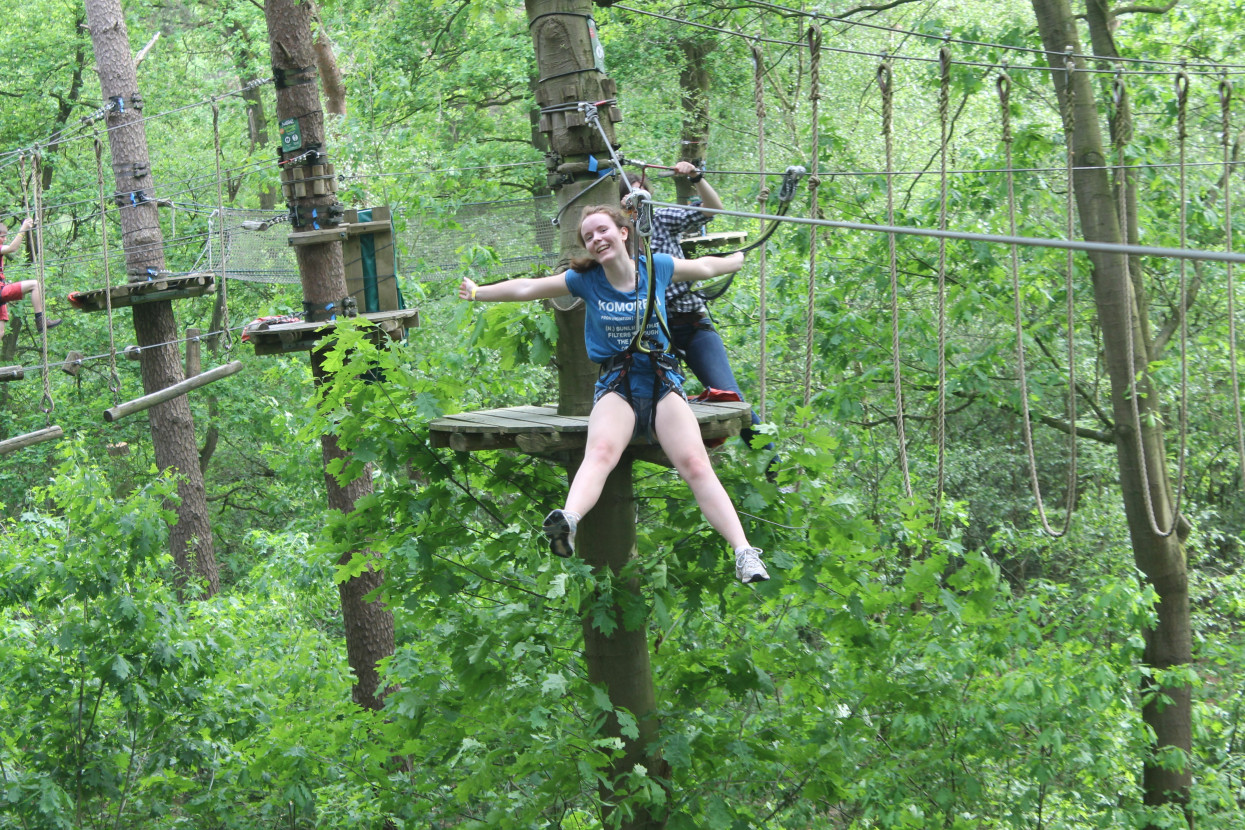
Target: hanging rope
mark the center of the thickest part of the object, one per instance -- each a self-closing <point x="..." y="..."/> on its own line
<point x="220" y="212"/>
<point x="37" y="185"/>
<point x="1004" y="84"/>
<point x="114" y="377"/>
<point x="814" y="96"/>
<point x="944" y="108"/>
<point x="1225" y="117"/>
<point x="758" y="96"/>
<point x="1122" y="138"/>
<point x="884" y="84"/>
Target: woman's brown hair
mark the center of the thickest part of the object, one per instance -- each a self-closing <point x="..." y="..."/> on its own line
<point x="620" y="220"/>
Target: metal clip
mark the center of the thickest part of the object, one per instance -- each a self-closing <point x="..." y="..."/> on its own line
<point x="790" y="180"/>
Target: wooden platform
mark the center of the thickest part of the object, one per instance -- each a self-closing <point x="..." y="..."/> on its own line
<point x="283" y="338"/>
<point x="694" y="246"/>
<point x="146" y="291"/>
<point x="540" y="430"/>
<point x="11" y="373"/>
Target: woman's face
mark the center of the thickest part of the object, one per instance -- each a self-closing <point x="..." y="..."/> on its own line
<point x="603" y="239"/>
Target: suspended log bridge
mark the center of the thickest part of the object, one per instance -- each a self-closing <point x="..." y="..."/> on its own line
<point x="540" y="430"/>
<point x="283" y="338"/>
<point x="147" y="291"/>
<point x="170" y="392"/>
<point x="30" y="439"/>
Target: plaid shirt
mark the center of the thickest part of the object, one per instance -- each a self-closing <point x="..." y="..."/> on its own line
<point x="668" y="224"/>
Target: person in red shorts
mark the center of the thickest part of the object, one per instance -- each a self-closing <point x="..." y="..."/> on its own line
<point x="13" y="291"/>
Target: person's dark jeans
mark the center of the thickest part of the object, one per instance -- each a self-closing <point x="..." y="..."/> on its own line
<point x="706" y="358"/>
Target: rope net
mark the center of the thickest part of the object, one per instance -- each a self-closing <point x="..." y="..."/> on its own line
<point x="484" y="240"/>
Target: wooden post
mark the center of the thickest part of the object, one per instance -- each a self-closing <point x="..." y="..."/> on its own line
<point x="193" y="353"/>
<point x="567" y="51"/>
<point x="170" y="392"/>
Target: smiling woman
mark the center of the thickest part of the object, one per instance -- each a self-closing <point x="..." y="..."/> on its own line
<point x="625" y="332"/>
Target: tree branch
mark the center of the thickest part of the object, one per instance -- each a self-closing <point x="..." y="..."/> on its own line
<point x="1092" y="400"/>
<point x="1144" y="9"/>
<point x="142" y="53"/>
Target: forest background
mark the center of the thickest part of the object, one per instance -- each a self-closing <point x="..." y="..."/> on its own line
<point x="928" y="658"/>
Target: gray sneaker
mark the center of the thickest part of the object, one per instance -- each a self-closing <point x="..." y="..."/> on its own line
<point x="560" y="528"/>
<point x="749" y="567"/>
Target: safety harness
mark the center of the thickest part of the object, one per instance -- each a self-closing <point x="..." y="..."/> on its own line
<point x="641" y="348"/>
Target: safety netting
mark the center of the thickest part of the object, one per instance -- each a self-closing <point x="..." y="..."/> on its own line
<point x="483" y="240"/>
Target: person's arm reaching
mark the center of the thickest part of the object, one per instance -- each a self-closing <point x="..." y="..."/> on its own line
<point x="708" y="196"/>
<point x="707" y="267"/>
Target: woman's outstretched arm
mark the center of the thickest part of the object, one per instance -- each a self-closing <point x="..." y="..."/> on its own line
<point x="520" y="290"/>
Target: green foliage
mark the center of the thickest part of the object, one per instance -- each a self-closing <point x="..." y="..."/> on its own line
<point x="894" y="673"/>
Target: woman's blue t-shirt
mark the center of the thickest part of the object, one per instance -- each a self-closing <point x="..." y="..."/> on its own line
<point x="611" y="315"/>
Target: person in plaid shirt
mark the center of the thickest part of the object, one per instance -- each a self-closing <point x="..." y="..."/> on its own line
<point x="691" y="328"/>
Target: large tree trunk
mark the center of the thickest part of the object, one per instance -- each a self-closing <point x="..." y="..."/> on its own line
<point x="694" y="81"/>
<point x="244" y="61"/>
<point x="619" y="660"/>
<point x="369" y="625"/>
<point x="1120" y="304"/>
<point x="172" y="425"/>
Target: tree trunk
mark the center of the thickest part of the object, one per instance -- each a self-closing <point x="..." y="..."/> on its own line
<point x="1167" y="708"/>
<point x="694" y="81"/>
<point x="172" y="425"/>
<point x="565" y="44"/>
<point x="369" y="625"/>
<point x="244" y="61"/>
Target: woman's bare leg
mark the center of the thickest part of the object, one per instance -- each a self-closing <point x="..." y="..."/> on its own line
<point x="679" y="436"/>
<point x="610" y="426"/>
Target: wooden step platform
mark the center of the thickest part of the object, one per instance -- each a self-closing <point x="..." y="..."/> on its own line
<point x="145" y="291"/>
<point x="694" y="246"/>
<point x="283" y="338"/>
<point x="540" y="430"/>
<point x="11" y="373"/>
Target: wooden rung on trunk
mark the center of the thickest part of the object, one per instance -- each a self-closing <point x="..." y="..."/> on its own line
<point x="170" y="392"/>
<point x="30" y="439"/>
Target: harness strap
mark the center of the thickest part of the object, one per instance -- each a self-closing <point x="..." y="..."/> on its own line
<point x="663" y="364"/>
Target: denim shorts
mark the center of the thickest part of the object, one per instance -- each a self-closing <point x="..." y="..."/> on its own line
<point x="641" y="399"/>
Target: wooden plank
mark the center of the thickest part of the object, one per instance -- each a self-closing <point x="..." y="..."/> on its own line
<point x="539" y="430"/>
<point x="373" y="226"/>
<point x="497" y="421"/>
<point x="283" y="338"/>
<point x="542" y="417"/>
<point x="316" y="237"/>
<point x="712" y="241"/>
<point x="135" y="293"/>
<point x="11" y="373"/>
